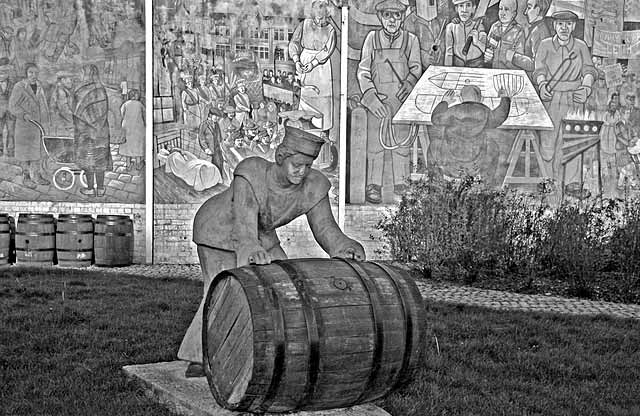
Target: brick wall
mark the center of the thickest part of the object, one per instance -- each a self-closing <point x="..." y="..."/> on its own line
<point x="173" y="232"/>
<point x="135" y="211"/>
<point x="173" y="228"/>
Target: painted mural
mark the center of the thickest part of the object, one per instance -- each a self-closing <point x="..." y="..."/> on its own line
<point x="72" y="122"/>
<point x="228" y="77"/>
<point x="525" y="94"/>
<point x="522" y="93"/>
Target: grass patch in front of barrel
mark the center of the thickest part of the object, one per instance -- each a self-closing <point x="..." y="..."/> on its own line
<point x="487" y="362"/>
<point x="61" y="357"/>
<point x="67" y="333"/>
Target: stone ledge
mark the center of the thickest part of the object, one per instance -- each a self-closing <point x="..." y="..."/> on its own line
<point x="191" y="396"/>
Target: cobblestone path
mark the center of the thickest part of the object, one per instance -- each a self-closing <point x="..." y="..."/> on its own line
<point x="443" y="293"/>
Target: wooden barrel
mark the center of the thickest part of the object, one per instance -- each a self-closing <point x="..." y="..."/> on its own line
<point x="113" y="240"/>
<point x="7" y="241"/>
<point x="310" y="334"/>
<point x="35" y="239"/>
<point x="74" y="240"/>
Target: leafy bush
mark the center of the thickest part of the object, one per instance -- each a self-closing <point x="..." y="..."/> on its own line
<point x="471" y="231"/>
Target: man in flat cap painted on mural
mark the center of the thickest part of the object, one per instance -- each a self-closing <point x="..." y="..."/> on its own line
<point x="238" y="226"/>
<point x="390" y="66"/>
<point x="457" y="32"/>
<point x="564" y="72"/>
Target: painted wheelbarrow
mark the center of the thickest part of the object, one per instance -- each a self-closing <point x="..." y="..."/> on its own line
<point x="61" y="160"/>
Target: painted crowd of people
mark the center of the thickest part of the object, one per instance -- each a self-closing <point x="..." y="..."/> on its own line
<point x="75" y="109"/>
<point x="569" y="80"/>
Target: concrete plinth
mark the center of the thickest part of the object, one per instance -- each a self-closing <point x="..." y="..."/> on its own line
<point x="192" y="397"/>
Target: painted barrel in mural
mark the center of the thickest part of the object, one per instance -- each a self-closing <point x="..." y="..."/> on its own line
<point x="7" y="240"/>
<point x="310" y="334"/>
<point x="35" y="239"/>
<point x="74" y="240"/>
<point x="113" y="240"/>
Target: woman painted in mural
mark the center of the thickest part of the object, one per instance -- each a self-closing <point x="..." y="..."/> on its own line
<point x="133" y="126"/>
<point x="92" y="135"/>
<point x="190" y="100"/>
<point x="61" y="105"/>
<point x="311" y="47"/>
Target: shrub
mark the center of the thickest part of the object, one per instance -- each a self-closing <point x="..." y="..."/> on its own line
<point x="466" y="229"/>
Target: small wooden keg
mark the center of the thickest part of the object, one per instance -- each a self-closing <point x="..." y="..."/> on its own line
<point x="113" y="240"/>
<point x="7" y="241"/>
<point x="35" y="239"/>
<point x="310" y="334"/>
<point x="74" y="240"/>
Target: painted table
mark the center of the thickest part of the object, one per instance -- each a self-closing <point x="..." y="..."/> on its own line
<point x="527" y="114"/>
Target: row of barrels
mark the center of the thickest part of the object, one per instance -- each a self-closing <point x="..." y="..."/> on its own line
<point x="73" y="240"/>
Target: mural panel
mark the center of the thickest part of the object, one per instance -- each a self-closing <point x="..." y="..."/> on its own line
<point x="511" y="91"/>
<point x="522" y="93"/>
<point x="228" y="77"/>
<point x="71" y="116"/>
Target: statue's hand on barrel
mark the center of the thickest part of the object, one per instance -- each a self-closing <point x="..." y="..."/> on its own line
<point x="252" y="254"/>
<point x="353" y="250"/>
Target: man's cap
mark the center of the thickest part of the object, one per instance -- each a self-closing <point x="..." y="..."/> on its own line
<point x="302" y="142"/>
<point x="240" y="81"/>
<point x="268" y="124"/>
<point x="230" y="109"/>
<point x="249" y="124"/>
<point x="215" y="112"/>
<point x="565" y="15"/>
<point x="393" y="5"/>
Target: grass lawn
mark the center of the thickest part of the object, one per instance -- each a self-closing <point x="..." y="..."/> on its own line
<point x="62" y="354"/>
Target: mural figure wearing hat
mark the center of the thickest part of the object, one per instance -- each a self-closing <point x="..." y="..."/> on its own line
<point x="311" y="47"/>
<point x="91" y="120"/>
<point x="564" y="72"/>
<point x="538" y="30"/>
<point x="61" y="105"/>
<point x="242" y="102"/>
<point x="217" y="87"/>
<point x="6" y="118"/>
<point x="210" y="138"/>
<point x="190" y="100"/>
<point x="390" y="65"/>
<point x="506" y="37"/>
<point x="456" y="35"/>
<point x="238" y="226"/>
<point x="29" y="102"/>
<point x="230" y="119"/>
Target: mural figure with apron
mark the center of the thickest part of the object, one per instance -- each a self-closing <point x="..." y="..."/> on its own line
<point x="311" y="47"/>
<point x="390" y="66"/>
<point x="564" y="73"/>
